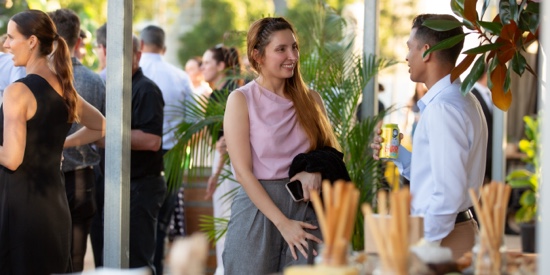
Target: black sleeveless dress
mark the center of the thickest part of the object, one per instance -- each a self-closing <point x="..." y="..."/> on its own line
<point x="35" y="223"/>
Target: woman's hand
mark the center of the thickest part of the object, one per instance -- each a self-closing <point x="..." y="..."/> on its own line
<point x="295" y="236"/>
<point x="221" y="146"/>
<point x="211" y="187"/>
<point x="310" y="181"/>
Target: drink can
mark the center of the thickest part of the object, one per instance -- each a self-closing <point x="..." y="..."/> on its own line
<point x="390" y="146"/>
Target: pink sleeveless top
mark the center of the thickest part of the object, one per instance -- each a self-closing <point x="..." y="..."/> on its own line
<point x="276" y="137"/>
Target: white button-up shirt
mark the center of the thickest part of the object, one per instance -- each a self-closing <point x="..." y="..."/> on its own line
<point x="176" y="88"/>
<point x="448" y="158"/>
<point x="8" y="72"/>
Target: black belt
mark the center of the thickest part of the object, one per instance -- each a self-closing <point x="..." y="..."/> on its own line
<point x="464" y="216"/>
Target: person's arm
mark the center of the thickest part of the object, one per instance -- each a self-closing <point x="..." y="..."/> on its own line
<point x="17" y="98"/>
<point x="93" y="122"/>
<point x="147" y="119"/>
<point x="449" y="150"/>
<point x="142" y="141"/>
<point x="237" y="135"/>
<point x="221" y="147"/>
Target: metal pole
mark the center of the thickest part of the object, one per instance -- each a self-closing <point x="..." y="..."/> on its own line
<point x="117" y="159"/>
<point x="369" y="107"/>
<point x="543" y="240"/>
<point x="500" y="120"/>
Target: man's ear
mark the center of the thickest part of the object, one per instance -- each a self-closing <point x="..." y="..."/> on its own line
<point x="429" y="55"/>
<point x="77" y="44"/>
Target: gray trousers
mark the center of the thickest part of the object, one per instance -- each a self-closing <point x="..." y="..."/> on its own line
<point x="253" y="244"/>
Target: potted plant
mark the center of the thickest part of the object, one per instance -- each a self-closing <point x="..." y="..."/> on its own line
<point x="502" y="43"/>
<point x="528" y="180"/>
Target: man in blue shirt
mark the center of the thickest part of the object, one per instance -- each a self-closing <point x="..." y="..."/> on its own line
<point x="449" y="144"/>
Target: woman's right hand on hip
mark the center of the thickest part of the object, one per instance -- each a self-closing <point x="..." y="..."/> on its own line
<point x="296" y="237"/>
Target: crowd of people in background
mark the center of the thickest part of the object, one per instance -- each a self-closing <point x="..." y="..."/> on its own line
<point x="271" y="116"/>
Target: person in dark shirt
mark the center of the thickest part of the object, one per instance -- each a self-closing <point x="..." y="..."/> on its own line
<point x="78" y="161"/>
<point x="147" y="185"/>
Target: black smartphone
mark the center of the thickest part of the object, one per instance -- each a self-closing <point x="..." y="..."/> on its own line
<point x="295" y="190"/>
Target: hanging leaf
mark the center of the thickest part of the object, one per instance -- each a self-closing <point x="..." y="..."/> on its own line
<point x="483" y="48"/>
<point x="484" y="9"/>
<point x="507" y="80"/>
<point x="501" y="98"/>
<point x="470" y="12"/>
<point x="510" y="32"/>
<point x="491" y="27"/>
<point x="505" y="12"/>
<point x="445" y="44"/>
<point x="505" y="52"/>
<point x="518" y="63"/>
<point x="464" y="64"/>
<point x="457" y="6"/>
<point x="442" y="25"/>
<point x="474" y="75"/>
<point x="493" y="62"/>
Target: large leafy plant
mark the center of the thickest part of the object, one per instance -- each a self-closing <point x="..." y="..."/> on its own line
<point x="528" y="178"/>
<point x="502" y="43"/>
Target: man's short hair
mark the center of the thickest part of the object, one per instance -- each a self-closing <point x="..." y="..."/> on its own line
<point x="136" y="47"/>
<point x="67" y="24"/>
<point x="101" y="35"/>
<point x="432" y="37"/>
<point x="153" y="36"/>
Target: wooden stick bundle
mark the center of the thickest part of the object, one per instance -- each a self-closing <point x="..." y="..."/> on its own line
<point x="492" y="217"/>
<point x="336" y="219"/>
<point x="391" y="232"/>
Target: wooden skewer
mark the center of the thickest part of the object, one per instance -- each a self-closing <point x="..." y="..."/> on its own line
<point x="378" y="238"/>
<point x="321" y="218"/>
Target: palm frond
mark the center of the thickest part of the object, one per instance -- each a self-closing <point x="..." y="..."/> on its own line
<point x="214" y="227"/>
<point x="196" y="133"/>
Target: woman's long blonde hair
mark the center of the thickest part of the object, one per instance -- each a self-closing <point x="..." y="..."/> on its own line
<point x="309" y="113"/>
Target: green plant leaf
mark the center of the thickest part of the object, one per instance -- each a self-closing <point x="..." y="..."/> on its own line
<point x="492" y="65"/>
<point x="520" y="183"/>
<point x="442" y="25"/>
<point x="445" y="44"/>
<point x="528" y="198"/>
<point x="507" y="81"/>
<point x="518" y="63"/>
<point x="519" y="174"/>
<point x="457" y="6"/>
<point x="505" y="10"/>
<point x="491" y="27"/>
<point x="477" y="71"/>
<point x="529" y="22"/>
<point x="483" y="48"/>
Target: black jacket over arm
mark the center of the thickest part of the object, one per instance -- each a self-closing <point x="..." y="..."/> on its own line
<point x="326" y="160"/>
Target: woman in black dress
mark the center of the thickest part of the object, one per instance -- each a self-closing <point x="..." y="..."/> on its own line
<point x="38" y="110"/>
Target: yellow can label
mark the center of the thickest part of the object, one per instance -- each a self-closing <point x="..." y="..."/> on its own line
<point x="390" y="145"/>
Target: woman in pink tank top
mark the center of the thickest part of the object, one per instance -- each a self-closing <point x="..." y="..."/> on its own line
<point x="267" y="123"/>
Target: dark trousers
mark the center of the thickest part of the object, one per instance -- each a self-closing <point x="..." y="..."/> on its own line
<point x="96" y="231"/>
<point x="146" y="197"/>
<point x="80" y="190"/>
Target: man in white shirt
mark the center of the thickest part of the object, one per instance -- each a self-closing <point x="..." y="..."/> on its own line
<point x="176" y="89"/>
<point x="8" y="72"/>
<point x="449" y="143"/>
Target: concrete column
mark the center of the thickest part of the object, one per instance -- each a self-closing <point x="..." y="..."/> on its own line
<point x="117" y="159"/>
<point x="369" y="107"/>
